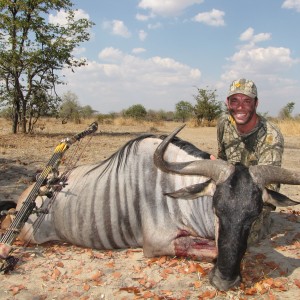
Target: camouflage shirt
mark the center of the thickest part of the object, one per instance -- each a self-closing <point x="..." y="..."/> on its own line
<point x="262" y="146"/>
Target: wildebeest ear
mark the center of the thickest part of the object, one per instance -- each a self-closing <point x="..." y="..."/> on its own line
<point x="194" y="191"/>
<point x="277" y="198"/>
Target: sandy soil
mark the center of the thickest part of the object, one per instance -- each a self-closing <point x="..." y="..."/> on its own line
<point x="271" y="270"/>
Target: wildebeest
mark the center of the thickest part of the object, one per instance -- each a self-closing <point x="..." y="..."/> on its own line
<point x="165" y="197"/>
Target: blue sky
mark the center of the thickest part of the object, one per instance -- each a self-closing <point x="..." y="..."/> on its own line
<point x="158" y="52"/>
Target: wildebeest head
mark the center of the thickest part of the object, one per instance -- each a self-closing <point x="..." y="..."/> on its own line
<point x="238" y="195"/>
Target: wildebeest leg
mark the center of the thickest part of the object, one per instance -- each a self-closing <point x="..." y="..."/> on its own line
<point x="196" y="248"/>
<point x="182" y="244"/>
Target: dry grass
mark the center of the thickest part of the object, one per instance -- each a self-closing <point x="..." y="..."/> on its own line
<point x="49" y="131"/>
<point x="54" y="126"/>
<point x="289" y="127"/>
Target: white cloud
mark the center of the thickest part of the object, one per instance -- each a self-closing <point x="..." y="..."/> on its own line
<point x="268" y="60"/>
<point x="154" y="26"/>
<point x="267" y="66"/>
<point x="143" y="17"/>
<point x="251" y="59"/>
<point x="138" y="50"/>
<point x="119" y="80"/>
<point x="291" y="4"/>
<point x="214" y="17"/>
<point x="117" y="27"/>
<point x="167" y="8"/>
<point x="111" y="54"/>
<point x="61" y="16"/>
<point x="78" y="51"/>
<point x="142" y="35"/>
<point x="249" y="36"/>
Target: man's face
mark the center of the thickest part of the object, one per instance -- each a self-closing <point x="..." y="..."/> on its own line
<point x="242" y="108"/>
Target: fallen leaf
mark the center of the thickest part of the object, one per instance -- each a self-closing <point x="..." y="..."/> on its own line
<point x="15" y="289"/>
<point x="142" y="281"/>
<point x="261" y="287"/>
<point x="192" y="268"/>
<point x="251" y="291"/>
<point x="96" y="275"/>
<point x="200" y="269"/>
<point x="60" y="264"/>
<point x="297" y="283"/>
<point x="110" y="264"/>
<point x="148" y="295"/>
<point x="162" y="260"/>
<point x="167" y="292"/>
<point x="97" y="255"/>
<point x="116" y="275"/>
<point x="269" y="281"/>
<point x="166" y="272"/>
<point x="131" y="289"/>
<point x="173" y="262"/>
<point x="56" y="273"/>
<point x="77" y="294"/>
<point x="44" y="278"/>
<point x="207" y="295"/>
<point x="278" y="283"/>
<point x="150" y="283"/>
<point x="77" y="272"/>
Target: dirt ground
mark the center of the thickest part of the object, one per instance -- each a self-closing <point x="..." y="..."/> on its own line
<point x="271" y="270"/>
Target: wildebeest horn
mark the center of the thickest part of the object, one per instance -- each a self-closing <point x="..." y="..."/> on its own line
<point x="217" y="170"/>
<point x="265" y="174"/>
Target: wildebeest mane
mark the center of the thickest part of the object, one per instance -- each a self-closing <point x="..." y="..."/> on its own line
<point x="188" y="147"/>
<point x="120" y="156"/>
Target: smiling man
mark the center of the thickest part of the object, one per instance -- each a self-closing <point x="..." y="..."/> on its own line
<point x="244" y="136"/>
<point x="248" y="138"/>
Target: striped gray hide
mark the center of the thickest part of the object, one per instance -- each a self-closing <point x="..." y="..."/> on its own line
<point x="120" y="203"/>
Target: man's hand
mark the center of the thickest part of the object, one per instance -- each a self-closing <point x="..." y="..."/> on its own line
<point x="4" y="250"/>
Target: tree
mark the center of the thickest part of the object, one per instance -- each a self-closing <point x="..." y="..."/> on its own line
<point x="41" y="104"/>
<point x="286" y="111"/>
<point x="207" y="106"/>
<point x="70" y="108"/>
<point x="87" y="111"/>
<point x="136" y="111"/>
<point x="183" y="110"/>
<point x="32" y="53"/>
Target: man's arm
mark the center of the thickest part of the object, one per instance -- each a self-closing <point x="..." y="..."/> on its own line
<point x="220" y="134"/>
<point x="272" y="151"/>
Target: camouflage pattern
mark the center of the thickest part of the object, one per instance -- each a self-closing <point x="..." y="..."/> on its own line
<point x="262" y="146"/>
<point x="243" y="86"/>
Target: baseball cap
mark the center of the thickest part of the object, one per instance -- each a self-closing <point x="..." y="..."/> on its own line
<point x="243" y="86"/>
